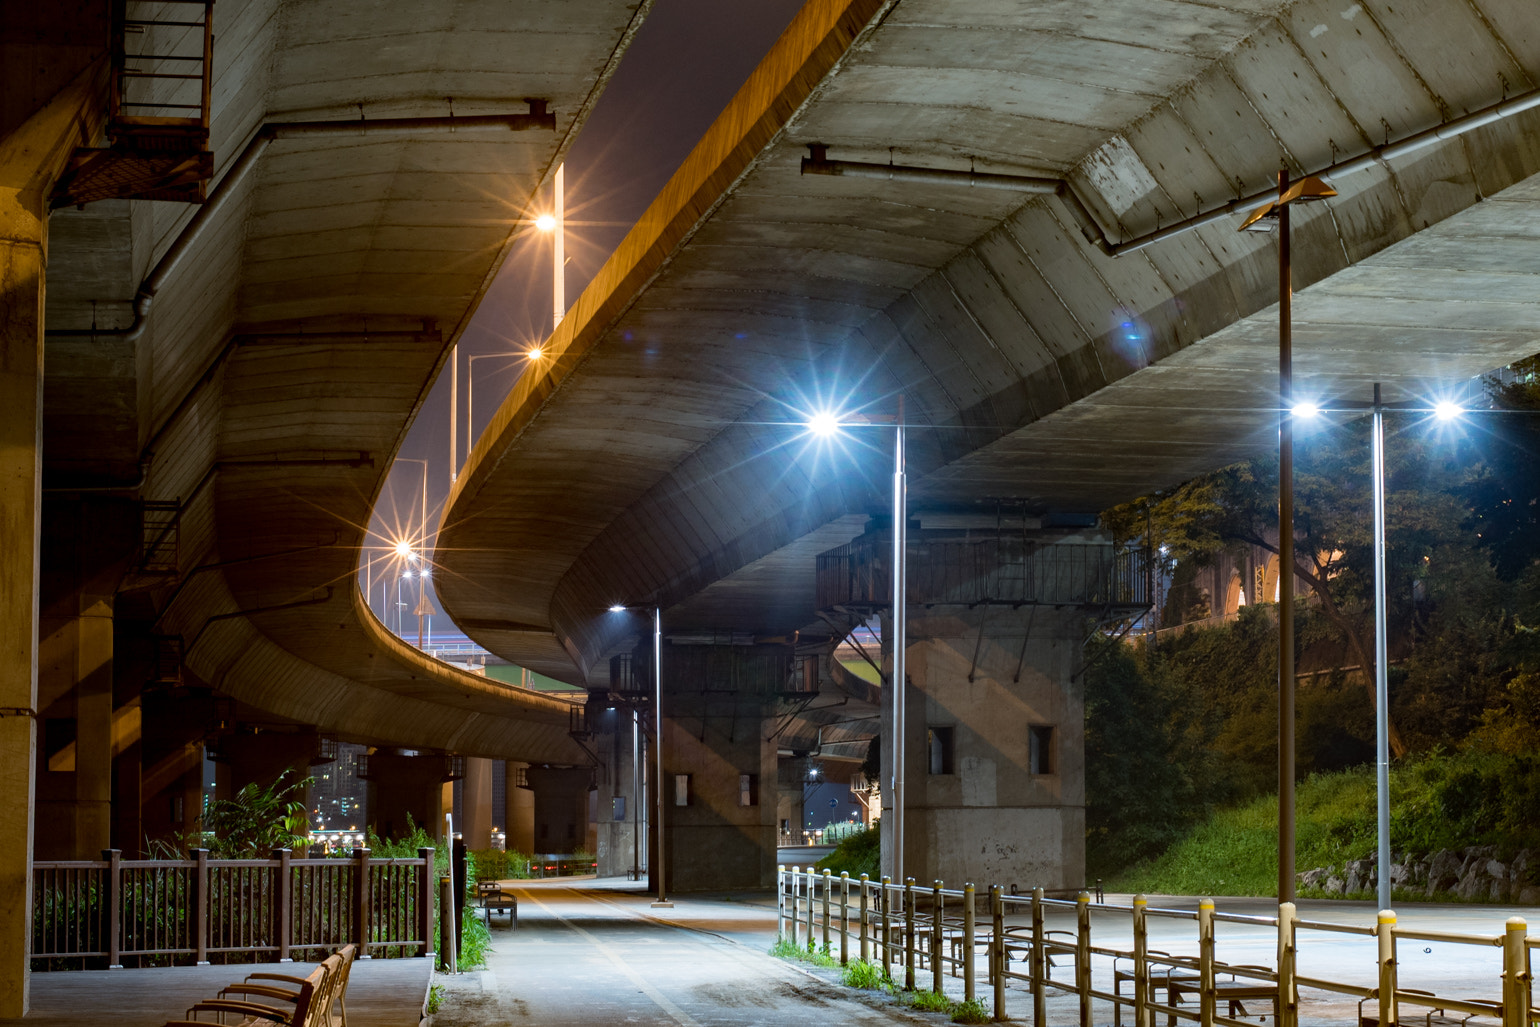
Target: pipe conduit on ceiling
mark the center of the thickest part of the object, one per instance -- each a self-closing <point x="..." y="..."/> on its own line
<point x="818" y="163"/>
<point x="536" y="118"/>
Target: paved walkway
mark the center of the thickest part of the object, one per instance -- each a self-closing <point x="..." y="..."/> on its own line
<point x="595" y="952"/>
<point x="381" y="993"/>
<point x="589" y="953"/>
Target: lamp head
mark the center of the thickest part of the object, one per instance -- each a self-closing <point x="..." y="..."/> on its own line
<point x="546" y="222"/>
<point x="1447" y="411"/>
<point x="404" y="549"/>
<point x="617" y="608"/>
<point x="1305" y="410"/>
<point x="535" y="353"/>
<point x="824" y="423"/>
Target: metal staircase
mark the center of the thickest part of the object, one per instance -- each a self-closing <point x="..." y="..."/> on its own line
<point x="158" y="116"/>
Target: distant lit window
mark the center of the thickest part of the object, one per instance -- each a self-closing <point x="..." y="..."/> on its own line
<point x="748" y="789"/>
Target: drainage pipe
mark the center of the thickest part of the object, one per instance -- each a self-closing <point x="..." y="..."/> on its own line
<point x="536" y="118"/>
<point x="819" y="164"/>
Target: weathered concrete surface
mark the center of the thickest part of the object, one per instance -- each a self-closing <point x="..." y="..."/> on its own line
<point x="275" y="435"/>
<point x="658" y="456"/>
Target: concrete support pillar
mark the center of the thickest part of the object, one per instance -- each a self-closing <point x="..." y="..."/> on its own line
<point x="476" y="804"/>
<point x="719" y="789"/>
<point x="994" y="747"/>
<point x="561" y="807"/>
<point x="74" y="797"/>
<point x="31" y="158"/>
<point x="520" y="809"/>
<point x="262" y="758"/>
<point x="406" y="791"/>
<point x="617" y="740"/>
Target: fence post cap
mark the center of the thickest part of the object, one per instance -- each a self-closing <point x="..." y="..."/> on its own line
<point x="1517" y="923"/>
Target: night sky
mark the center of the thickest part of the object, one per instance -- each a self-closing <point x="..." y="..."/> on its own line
<point x="686" y="62"/>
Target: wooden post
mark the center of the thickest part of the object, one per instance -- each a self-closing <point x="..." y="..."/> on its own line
<point x="1206" y="995"/>
<point x="1083" y="956"/>
<point x="1385" y="933"/>
<point x="283" y="904"/>
<point x="1039" y="961"/>
<point x="114" y="858"/>
<point x="1516" y="983"/>
<point x="812" y="910"/>
<point x="1288" y="985"/>
<point x="780" y="900"/>
<point x="425" y="901"/>
<point x="844" y="917"/>
<point x="866" y="951"/>
<point x="908" y="934"/>
<point x="997" y="948"/>
<point x="1142" y="1017"/>
<point x="969" y="930"/>
<point x="200" y="906"/>
<point x="825" y="883"/>
<point x="884" y="920"/>
<point x="936" y="967"/>
<point x="361" y="902"/>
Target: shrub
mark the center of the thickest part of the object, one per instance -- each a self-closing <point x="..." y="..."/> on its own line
<point x="857" y="854"/>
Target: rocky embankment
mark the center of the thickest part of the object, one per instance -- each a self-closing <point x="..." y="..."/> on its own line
<point x="1473" y="874"/>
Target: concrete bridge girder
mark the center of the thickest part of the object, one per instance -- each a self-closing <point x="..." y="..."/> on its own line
<point x="1038" y="370"/>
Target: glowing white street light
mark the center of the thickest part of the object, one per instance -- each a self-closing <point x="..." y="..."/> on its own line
<point x="826" y="423"/>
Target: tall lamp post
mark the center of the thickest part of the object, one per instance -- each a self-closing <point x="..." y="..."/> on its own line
<point x="661" y="902"/>
<point x="1270" y="216"/>
<point x="1444" y="411"/>
<point x="827" y="424"/>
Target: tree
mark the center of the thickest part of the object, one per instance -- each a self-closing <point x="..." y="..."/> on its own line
<point x="1505" y="499"/>
<point x="1333" y="523"/>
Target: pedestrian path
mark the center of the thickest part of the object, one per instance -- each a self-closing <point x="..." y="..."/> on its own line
<point x="588" y="953"/>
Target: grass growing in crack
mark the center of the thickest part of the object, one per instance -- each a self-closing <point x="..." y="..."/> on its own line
<point x="970" y="1011"/>
<point x="926" y="1001"/>
<point x="435" y="998"/>
<point x="860" y="974"/>
<point x="785" y="948"/>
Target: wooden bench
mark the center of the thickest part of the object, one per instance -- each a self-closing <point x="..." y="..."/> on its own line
<point x="317" y="1000"/>
<point x="492" y="898"/>
<point x="1436" y="1016"/>
<point x="306" y="1010"/>
<point x="1236" y="993"/>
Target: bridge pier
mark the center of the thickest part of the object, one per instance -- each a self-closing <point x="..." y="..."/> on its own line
<point x="405" y="788"/>
<point x="994" y="709"/>
<point x="561" y="807"/>
<point x="994" y="747"/>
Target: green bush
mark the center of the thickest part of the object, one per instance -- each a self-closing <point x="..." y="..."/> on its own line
<point x="928" y="1001"/>
<point x="785" y="948"/>
<point x="858" y="853"/>
<point x="498" y="865"/>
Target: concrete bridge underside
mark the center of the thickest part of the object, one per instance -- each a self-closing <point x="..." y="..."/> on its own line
<point x="657" y="458"/>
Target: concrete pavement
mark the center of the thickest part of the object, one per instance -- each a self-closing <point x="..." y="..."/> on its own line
<point x="588" y="951"/>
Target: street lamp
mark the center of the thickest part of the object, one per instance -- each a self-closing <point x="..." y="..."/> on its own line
<point x="1275" y="214"/>
<point x="1444" y="411"/>
<point x="661" y="902"/>
<point x="827" y="423"/>
<point x="532" y="354"/>
<point x="555" y="222"/>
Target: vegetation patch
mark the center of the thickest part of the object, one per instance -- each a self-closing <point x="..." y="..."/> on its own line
<point x="868" y="976"/>
<point x="785" y="948"/>
<point x="859" y="852"/>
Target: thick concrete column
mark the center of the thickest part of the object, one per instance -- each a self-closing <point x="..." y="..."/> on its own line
<point x="262" y="758"/>
<point x="476" y="804"/>
<point x="31" y="158"/>
<point x="615" y="833"/>
<point x="561" y="807"/>
<point x="520" y="809"/>
<point x="406" y="790"/>
<point x="74" y="797"/>
<point x="994" y="768"/>
<point x="719" y="791"/>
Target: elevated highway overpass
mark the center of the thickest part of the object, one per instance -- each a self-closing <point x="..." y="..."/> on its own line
<point x="1099" y="333"/>
<point x="199" y="401"/>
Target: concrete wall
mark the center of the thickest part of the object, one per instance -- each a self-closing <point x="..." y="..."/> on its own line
<point x="989" y="814"/>
<point x="715" y="842"/>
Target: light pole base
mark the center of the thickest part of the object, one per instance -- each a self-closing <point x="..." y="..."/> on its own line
<point x="662" y="904"/>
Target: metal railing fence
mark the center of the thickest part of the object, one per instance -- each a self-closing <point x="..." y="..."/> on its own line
<point x="114" y="909"/>
<point x="942" y="932"/>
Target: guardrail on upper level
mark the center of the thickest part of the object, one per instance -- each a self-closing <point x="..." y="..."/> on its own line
<point x="998" y="569"/>
<point x="161" y="909"/>
<point x="941" y="930"/>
